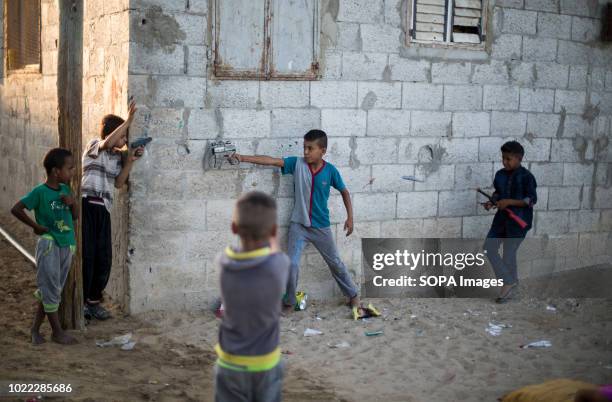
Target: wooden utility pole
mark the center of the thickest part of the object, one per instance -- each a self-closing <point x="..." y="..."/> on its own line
<point x="69" y="124"/>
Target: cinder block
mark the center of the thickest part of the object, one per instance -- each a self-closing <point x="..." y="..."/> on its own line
<point x="601" y="57"/>
<point x="344" y="122"/>
<point x="476" y="227"/>
<point x="430" y="124"/>
<point x="573" y="53"/>
<point x="571" y="150"/>
<point x="421" y="96"/>
<point x="471" y="175"/>
<point x="598" y="79"/>
<point x="294" y="122"/>
<point x="547" y="174"/>
<point x="280" y="147"/>
<point x="564" y="198"/>
<point x="331" y="65"/>
<point x="194" y="27"/>
<point x="583" y="8"/>
<point x="603" y="100"/>
<point x="219" y="215"/>
<point x="554" y="26"/>
<point x="333" y="94"/>
<point x="388" y="122"/>
<point x="435" y="177"/>
<point x="363" y="66"/>
<point x="574" y="126"/>
<point x="571" y="101"/>
<point x="409" y="70"/>
<point x="278" y="94"/>
<point x="212" y="184"/>
<point x="603" y="197"/>
<point x="156" y="61"/>
<point x="385" y="95"/>
<point x="385" y="206"/>
<point x="416" y="149"/>
<point x="338" y="150"/>
<point x="388" y="178"/>
<point x="551" y="223"/>
<point x="577" y="174"/>
<point x="508" y="124"/>
<point x="536" y="100"/>
<point x="457" y="203"/>
<point x="542" y="5"/>
<point x="507" y="47"/>
<point x="238" y="94"/>
<point x="157" y="247"/>
<point x="419" y="204"/>
<point x="258" y="179"/>
<point x="539" y="49"/>
<point x="519" y="22"/>
<point x="196" y="61"/>
<point x="542" y="124"/>
<point x="462" y="97"/>
<point x="467" y="124"/>
<point x="536" y="150"/>
<point x="522" y="74"/>
<point x="349" y="36"/>
<point x="510" y="3"/>
<point x="501" y="97"/>
<point x="542" y="202"/>
<point x="359" y="180"/>
<point x="585" y="29"/>
<point x="177" y="91"/>
<point x="451" y="72"/>
<point x="551" y="75"/>
<point x="496" y="72"/>
<point x="584" y="221"/>
<point x="457" y="150"/>
<point x="239" y="123"/>
<point x="207" y="245"/>
<point x="380" y="38"/>
<point x="361" y="11"/>
<point x="375" y="150"/>
<point x="393" y="12"/>
<point x="202" y="124"/>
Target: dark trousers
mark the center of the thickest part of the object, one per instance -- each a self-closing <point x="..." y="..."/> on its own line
<point x="505" y="266"/>
<point x="97" y="250"/>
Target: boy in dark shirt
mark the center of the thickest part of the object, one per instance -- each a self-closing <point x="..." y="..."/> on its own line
<point x="515" y="188"/>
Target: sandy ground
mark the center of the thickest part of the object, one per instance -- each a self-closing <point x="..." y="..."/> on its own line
<point x="430" y="350"/>
<point x="159" y="368"/>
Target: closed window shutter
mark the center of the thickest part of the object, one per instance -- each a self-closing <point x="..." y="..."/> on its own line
<point x="467" y="21"/>
<point x="429" y="18"/>
<point x="23" y="33"/>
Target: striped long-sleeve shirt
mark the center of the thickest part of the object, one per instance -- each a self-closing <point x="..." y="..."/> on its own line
<point x="100" y="168"/>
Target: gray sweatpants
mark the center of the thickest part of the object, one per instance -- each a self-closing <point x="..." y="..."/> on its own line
<point x="53" y="265"/>
<point x="239" y="386"/>
<point x="323" y="240"/>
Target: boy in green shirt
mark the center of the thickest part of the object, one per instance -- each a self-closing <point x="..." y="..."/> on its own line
<point x="54" y="210"/>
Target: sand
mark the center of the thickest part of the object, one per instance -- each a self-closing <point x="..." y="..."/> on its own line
<point x="430" y="349"/>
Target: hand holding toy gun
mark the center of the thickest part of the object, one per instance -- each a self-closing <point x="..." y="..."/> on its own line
<point x="511" y="214"/>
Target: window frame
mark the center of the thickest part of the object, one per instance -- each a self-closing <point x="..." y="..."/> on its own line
<point x="26" y="68"/>
<point x="266" y="70"/>
<point x="411" y="20"/>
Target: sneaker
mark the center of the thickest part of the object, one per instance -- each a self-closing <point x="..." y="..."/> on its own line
<point x="98" y="312"/>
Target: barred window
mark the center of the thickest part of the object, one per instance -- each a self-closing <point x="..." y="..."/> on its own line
<point x="22" y="19"/>
<point x="448" y="21"/>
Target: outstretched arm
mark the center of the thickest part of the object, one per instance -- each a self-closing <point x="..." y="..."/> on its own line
<point x="260" y="160"/>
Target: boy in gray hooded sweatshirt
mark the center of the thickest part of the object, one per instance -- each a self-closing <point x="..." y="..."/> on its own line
<point x="253" y="280"/>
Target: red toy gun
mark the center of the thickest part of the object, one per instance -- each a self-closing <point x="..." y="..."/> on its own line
<point x="511" y="214"/>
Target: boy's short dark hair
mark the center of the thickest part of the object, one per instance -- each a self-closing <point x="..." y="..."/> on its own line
<point x="55" y="158"/>
<point x="110" y="122"/>
<point x="255" y="215"/>
<point x="317" y="135"/>
<point x="514" y="148"/>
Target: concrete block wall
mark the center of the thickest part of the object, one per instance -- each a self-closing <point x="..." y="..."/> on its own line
<point x="390" y="109"/>
<point x="28" y="114"/>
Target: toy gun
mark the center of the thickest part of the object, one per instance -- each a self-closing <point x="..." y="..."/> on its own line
<point x="221" y="151"/>
<point x="511" y="214"/>
<point x="140" y="142"/>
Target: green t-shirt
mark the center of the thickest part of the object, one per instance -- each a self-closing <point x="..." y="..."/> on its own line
<point x="51" y="212"/>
